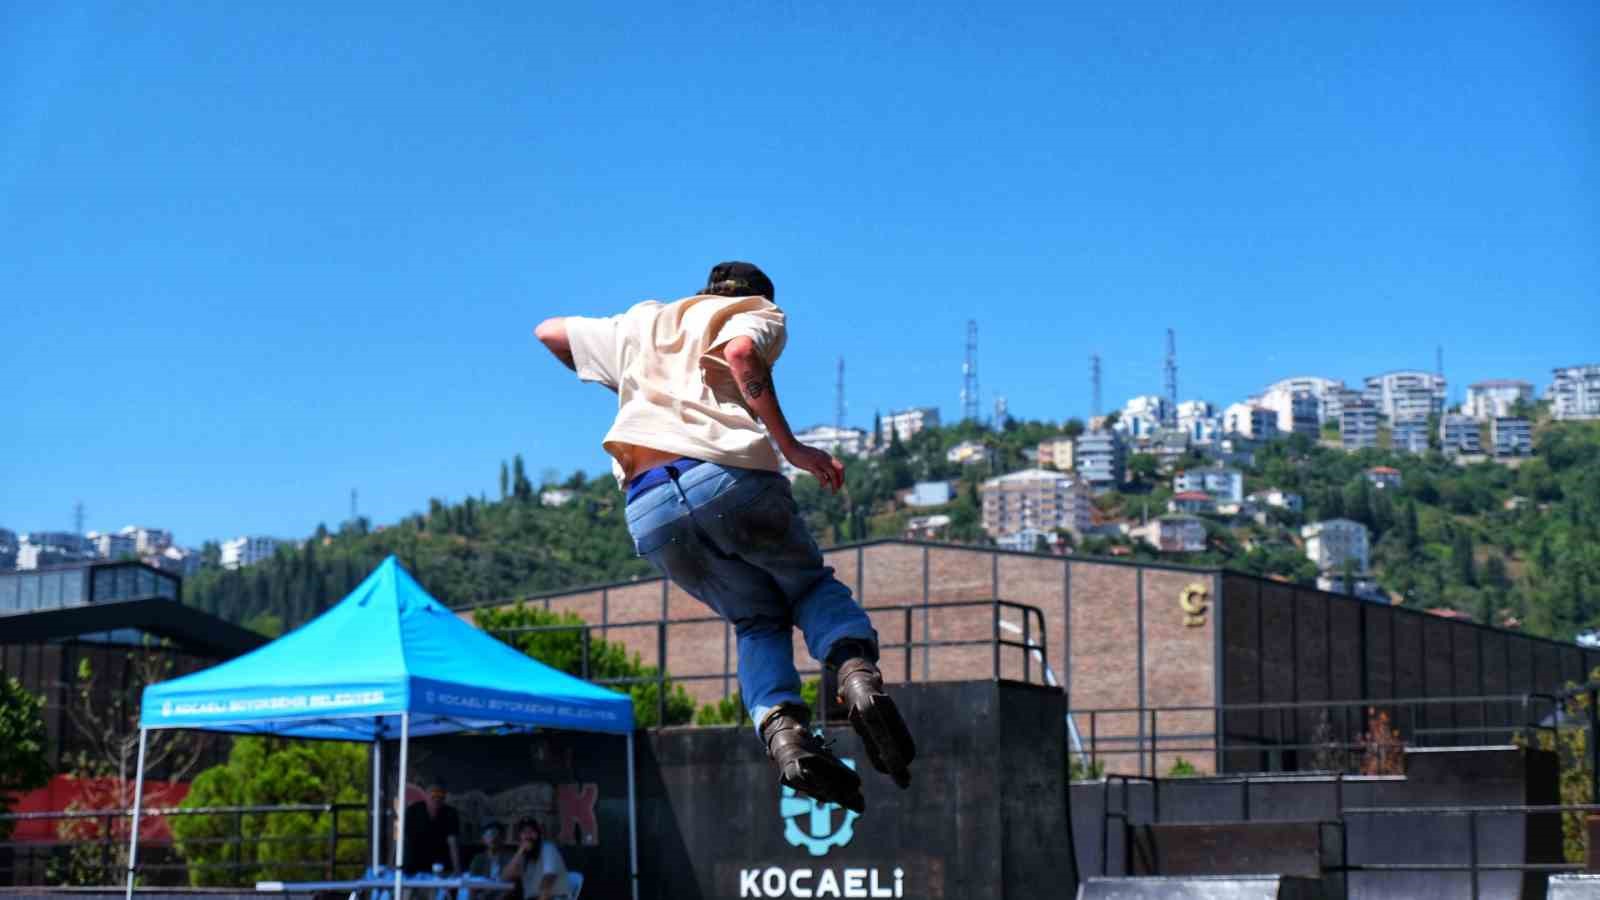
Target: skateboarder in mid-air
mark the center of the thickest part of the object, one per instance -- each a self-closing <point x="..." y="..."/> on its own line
<point x="707" y="507"/>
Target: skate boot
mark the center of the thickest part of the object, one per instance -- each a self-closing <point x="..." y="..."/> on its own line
<point x="875" y="718"/>
<point x="805" y="763"/>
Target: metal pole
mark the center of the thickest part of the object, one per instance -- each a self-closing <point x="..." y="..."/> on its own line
<point x="633" y="825"/>
<point x="377" y="792"/>
<point x="333" y="838"/>
<point x="661" y="671"/>
<point x="1472" y="848"/>
<point x="138" y="801"/>
<point x="1594" y="747"/>
<point x="400" y="802"/>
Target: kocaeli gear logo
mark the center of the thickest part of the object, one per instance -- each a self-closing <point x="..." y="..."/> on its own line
<point x="818" y="835"/>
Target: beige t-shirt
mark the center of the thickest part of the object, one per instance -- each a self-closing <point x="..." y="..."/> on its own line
<point x="674" y="392"/>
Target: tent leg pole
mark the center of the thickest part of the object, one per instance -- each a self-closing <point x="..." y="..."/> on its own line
<point x="400" y="803"/>
<point x="633" y="825"/>
<point x="138" y="802"/>
<point x="377" y="794"/>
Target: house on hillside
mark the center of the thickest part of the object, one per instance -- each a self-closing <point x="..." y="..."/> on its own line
<point x="1192" y="503"/>
<point x="1173" y="534"/>
<point x="1384" y="477"/>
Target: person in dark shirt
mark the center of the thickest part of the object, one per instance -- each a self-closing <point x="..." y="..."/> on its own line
<point x="433" y="833"/>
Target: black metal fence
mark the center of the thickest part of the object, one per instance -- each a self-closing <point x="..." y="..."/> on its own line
<point x="91" y="846"/>
<point x="900" y="645"/>
<point x="1312" y="735"/>
<point x="1473" y="865"/>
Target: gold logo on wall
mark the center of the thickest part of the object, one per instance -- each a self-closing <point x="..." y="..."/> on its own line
<point x="1194" y="600"/>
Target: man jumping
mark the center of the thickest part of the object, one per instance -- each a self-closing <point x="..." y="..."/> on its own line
<point x="707" y="507"/>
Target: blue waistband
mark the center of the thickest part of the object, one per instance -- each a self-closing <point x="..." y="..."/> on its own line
<point x="649" y="478"/>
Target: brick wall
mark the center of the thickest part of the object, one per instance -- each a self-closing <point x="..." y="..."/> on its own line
<point x="1117" y="639"/>
<point x="1105" y="603"/>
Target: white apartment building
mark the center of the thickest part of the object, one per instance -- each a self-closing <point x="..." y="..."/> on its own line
<point x="1099" y="458"/>
<point x="1511" y="436"/>
<point x="1056" y="453"/>
<point x="838" y="441"/>
<point x="1326" y="392"/>
<point x="1336" y="401"/>
<point x="1575" y="392"/>
<point x="147" y="540"/>
<point x="1358" y="426"/>
<point x="112" y="546"/>
<point x="907" y="422"/>
<point x="1250" y="420"/>
<point x="1225" y="485"/>
<point x="1142" y="416"/>
<point x="969" y="453"/>
<point x="37" y="549"/>
<point x="1460" y="436"/>
<point x="1298" y="411"/>
<point x="1173" y="534"/>
<point x="247" y="551"/>
<point x="1495" y="398"/>
<point x="1406" y="394"/>
<point x="1332" y="543"/>
<point x="1409" y="436"/>
<point x="1199" y="420"/>
<point x="1036" y="499"/>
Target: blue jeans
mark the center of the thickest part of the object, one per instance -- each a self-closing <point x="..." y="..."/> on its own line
<point x="734" y="539"/>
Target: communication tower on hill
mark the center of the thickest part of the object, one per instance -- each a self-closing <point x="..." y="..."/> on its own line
<point x="838" y="398"/>
<point x="1001" y="415"/>
<point x="1170" y="418"/>
<point x="1094" y="382"/>
<point x="969" y="375"/>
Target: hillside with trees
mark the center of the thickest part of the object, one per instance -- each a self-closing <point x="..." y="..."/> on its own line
<point x="1499" y="543"/>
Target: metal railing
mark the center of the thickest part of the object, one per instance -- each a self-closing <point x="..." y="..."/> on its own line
<point x="41" y="862"/>
<point x="896" y="656"/>
<point x="1473" y="864"/>
<point x="1280" y="729"/>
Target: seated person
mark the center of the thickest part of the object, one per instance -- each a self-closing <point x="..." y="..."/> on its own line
<point x="491" y="862"/>
<point x="538" y="864"/>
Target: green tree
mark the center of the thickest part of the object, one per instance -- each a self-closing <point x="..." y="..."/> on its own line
<point x="289" y="846"/>
<point x="505" y="480"/>
<point x="1461" y="557"/>
<point x="560" y="645"/>
<point x="1143" y="467"/>
<point x="23" y="763"/>
<point x="520" y="487"/>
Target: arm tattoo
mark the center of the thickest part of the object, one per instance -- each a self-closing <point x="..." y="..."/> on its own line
<point x="756" y="385"/>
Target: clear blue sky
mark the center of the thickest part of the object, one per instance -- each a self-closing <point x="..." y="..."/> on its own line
<point x="253" y="255"/>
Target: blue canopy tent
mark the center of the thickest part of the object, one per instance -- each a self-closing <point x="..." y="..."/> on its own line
<point x="386" y="662"/>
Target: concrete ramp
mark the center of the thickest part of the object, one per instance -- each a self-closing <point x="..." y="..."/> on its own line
<point x="1574" y="887"/>
<point x="1203" y="887"/>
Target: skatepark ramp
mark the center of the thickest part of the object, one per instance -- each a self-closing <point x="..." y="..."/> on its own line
<point x="1204" y="887"/>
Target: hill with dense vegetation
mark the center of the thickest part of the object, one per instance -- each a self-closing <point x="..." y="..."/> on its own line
<point x="1497" y="542"/>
